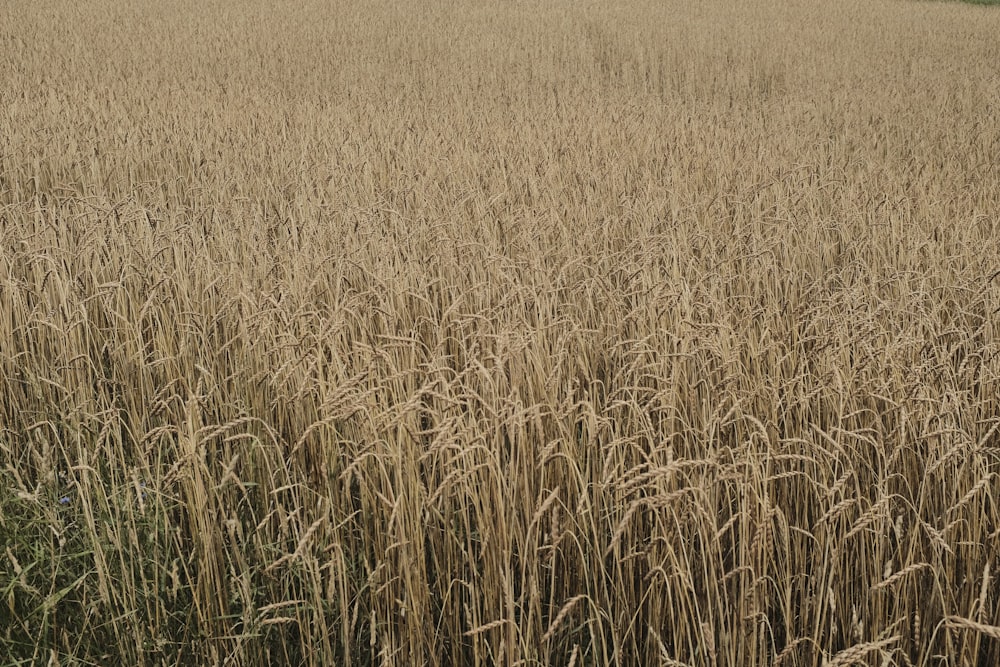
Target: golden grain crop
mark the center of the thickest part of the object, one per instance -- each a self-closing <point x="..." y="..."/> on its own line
<point x="499" y="333"/>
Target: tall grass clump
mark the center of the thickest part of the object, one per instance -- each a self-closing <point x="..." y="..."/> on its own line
<point x="499" y="333"/>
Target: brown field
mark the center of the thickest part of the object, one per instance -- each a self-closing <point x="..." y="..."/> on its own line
<point x="499" y="333"/>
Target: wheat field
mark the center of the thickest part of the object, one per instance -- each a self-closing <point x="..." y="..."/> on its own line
<point x="499" y="333"/>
